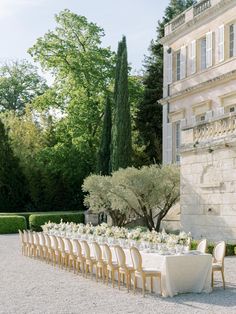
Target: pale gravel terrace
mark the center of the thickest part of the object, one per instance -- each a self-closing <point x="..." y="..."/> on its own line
<point x="32" y="286"/>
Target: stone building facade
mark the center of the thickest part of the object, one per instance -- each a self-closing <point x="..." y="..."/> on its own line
<point x="199" y="115"/>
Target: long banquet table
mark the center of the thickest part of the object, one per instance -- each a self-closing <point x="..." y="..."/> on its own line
<point x="184" y="273"/>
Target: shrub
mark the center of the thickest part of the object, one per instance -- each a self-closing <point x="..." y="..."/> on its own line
<point x="11" y="224"/>
<point x="36" y="221"/>
<point x="230" y="248"/>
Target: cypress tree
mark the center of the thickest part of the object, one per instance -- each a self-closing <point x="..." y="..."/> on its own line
<point x="121" y="130"/>
<point x="104" y="153"/>
<point x="13" y="191"/>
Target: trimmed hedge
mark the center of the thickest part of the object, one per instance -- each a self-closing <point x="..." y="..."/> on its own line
<point x="36" y="221"/>
<point x="11" y="224"/>
<point x="230" y="248"/>
<point x="28" y="214"/>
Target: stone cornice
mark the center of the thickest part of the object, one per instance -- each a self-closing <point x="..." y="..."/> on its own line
<point x="199" y="87"/>
<point x="204" y="17"/>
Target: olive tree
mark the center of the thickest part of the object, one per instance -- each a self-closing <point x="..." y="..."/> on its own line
<point x="99" y="197"/>
<point x="147" y="193"/>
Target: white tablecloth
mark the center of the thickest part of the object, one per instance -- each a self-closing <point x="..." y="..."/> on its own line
<point x="180" y="273"/>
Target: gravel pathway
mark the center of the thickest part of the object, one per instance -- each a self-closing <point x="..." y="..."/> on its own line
<point x="31" y="286"/>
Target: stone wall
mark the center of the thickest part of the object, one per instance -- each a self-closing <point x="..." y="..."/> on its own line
<point x="208" y="187"/>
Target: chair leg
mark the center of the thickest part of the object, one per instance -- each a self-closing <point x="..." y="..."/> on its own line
<point x="127" y="281"/>
<point x="118" y="279"/>
<point x="151" y="279"/>
<point x="135" y="283"/>
<point x="144" y="284"/>
<point x="113" y="279"/>
<point x="212" y="279"/>
<point x="160" y="286"/>
<point x="223" y="277"/>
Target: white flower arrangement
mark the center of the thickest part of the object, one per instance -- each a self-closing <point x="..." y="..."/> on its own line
<point x="118" y="233"/>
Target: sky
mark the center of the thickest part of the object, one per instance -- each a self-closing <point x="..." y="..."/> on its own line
<point x="23" y="21"/>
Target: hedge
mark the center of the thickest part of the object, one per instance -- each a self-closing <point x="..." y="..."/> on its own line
<point x="11" y="224"/>
<point x="230" y="248"/>
<point x="36" y="221"/>
<point x="28" y="214"/>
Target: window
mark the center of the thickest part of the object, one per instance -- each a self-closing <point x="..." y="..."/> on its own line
<point x="232" y="43"/>
<point x="203" y="53"/>
<point x="232" y="109"/>
<point x="178" y="66"/>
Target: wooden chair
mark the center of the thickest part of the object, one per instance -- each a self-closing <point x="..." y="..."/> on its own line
<point x="42" y="242"/>
<point x="100" y="264"/>
<point x="27" y="242"/>
<point x="50" y="251"/>
<point x="72" y="258"/>
<point x="142" y="272"/>
<point x="31" y="244"/>
<point x="111" y="267"/>
<point x="80" y="259"/>
<point x="123" y="269"/>
<point x="62" y="254"/>
<point x="89" y="261"/>
<point x="23" y="242"/>
<point x="202" y="246"/>
<point x="218" y="260"/>
<point x="38" y="251"/>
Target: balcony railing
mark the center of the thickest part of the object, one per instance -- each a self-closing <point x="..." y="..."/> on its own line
<point x="201" y="6"/>
<point x="178" y="21"/>
<point x="215" y="129"/>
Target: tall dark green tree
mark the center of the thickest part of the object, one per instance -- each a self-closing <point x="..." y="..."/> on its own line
<point x="121" y="129"/>
<point x="104" y="153"/>
<point x="13" y="189"/>
<point x="149" y="116"/>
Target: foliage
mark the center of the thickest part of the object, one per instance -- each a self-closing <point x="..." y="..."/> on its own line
<point x="11" y="224"/>
<point x="19" y="84"/>
<point x="36" y="221"/>
<point x="26" y="215"/>
<point x="230" y="248"/>
<point x="83" y="71"/>
<point x="105" y="146"/>
<point x="13" y="187"/>
<point x="148" y="192"/>
<point x="121" y="129"/>
<point x="149" y="117"/>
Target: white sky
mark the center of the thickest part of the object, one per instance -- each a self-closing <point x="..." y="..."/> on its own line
<point x="23" y="21"/>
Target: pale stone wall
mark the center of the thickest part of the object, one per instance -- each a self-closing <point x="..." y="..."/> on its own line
<point x="208" y="188"/>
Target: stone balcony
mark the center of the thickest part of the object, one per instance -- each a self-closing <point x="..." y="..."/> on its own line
<point x="219" y="130"/>
<point x="188" y="15"/>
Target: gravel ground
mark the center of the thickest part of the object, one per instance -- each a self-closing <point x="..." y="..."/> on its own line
<point x="31" y="286"/>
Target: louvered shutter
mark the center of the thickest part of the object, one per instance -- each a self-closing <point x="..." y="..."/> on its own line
<point x="234" y="40"/>
<point x="169" y="67"/>
<point x="169" y="136"/>
<point x="221" y="39"/>
<point x="192" y="56"/>
<point x="208" y="49"/>
<point x="183" y="62"/>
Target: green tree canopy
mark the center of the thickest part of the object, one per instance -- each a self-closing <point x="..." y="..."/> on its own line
<point x="20" y="83"/>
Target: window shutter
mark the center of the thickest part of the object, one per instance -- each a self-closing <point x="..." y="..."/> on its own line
<point x="221" y="39"/>
<point x="208" y="49"/>
<point x="183" y="62"/>
<point x="234" y="40"/>
<point x="169" y="136"/>
<point x="169" y="67"/>
<point x="192" y="57"/>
